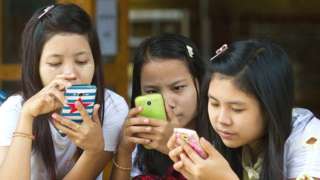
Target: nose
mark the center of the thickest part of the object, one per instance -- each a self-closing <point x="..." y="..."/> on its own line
<point x="169" y="100"/>
<point x="223" y="117"/>
<point x="69" y="69"/>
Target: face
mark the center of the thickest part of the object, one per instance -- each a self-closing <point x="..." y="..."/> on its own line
<point x="234" y="115"/>
<point x="67" y="54"/>
<point x="173" y="80"/>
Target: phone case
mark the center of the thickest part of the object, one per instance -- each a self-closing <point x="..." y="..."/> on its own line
<point x="191" y="137"/>
<point x="153" y="106"/>
<point x="86" y="94"/>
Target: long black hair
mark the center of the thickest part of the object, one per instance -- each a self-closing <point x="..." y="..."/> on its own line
<point x="163" y="47"/>
<point x="63" y="18"/>
<point x="261" y="69"/>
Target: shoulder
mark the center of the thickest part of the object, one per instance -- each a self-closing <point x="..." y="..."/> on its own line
<point x="9" y="113"/>
<point x="13" y="102"/>
<point x="304" y="135"/>
<point x="114" y="101"/>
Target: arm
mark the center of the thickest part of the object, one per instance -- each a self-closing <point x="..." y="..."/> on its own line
<point x="16" y="157"/>
<point x="89" y="165"/>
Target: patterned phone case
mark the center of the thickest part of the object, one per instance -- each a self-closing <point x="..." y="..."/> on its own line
<point x="84" y="93"/>
<point x="191" y="137"/>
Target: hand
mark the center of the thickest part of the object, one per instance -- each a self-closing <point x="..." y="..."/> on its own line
<point x="49" y="99"/>
<point x="133" y="125"/>
<point x="88" y="136"/>
<point x="160" y="131"/>
<point x="192" y="166"/>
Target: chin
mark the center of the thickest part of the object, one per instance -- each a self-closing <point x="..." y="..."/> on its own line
<point x="231" y="144"/>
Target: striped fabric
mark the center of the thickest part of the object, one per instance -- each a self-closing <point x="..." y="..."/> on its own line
<point x="84" y="93"/>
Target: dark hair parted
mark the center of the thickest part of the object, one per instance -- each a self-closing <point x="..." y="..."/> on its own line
<point x="164" y="47"/>
<point x="260" y="69"/>
<point x="61" y="19"/>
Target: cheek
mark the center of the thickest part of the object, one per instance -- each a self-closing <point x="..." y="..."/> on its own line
<point x="251" y="130"/>
<point x="47" y="74"/>
<point x="88" y="76"/>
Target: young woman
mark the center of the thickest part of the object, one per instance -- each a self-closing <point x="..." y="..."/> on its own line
<point x="249" y="99"/>
<point x="59" y="48"/>
<point x="170" y="65"/>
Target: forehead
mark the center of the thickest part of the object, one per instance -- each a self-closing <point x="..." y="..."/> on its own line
<point x="66" y="42"/>
<point x="224" y="88"/>
<point x="162" y="71"/>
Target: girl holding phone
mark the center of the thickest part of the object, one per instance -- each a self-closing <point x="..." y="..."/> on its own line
<point x="248" y="99"/>
<point x="170" y="65"/>
<point x="59" y="48"/>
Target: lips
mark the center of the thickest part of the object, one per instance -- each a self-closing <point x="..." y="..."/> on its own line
<point x="225" y="134"/>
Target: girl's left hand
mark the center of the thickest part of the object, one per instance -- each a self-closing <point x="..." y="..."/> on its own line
<point x="88" y="135"/>
<point x="160" y="132"/>
<point x="192" y="166"/>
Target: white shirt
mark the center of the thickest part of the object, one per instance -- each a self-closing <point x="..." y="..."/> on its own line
<point x="116" y="110"/>
<point x="300" y="157"/>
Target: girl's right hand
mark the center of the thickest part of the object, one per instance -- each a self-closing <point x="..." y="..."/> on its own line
<point x="134" y="124"/>
<point x="48" y="99"/>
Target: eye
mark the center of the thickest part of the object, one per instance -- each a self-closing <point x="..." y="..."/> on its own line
<point x="54" y="64"/>
<point x="214" y="104"/>
<point x="151" y="91"/>
<point x="179" y="87"/>
<point x="82" y="62"/>
<point x="237" y="110"/>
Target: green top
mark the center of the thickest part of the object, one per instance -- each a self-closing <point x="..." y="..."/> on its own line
<point x="251" y="170"/>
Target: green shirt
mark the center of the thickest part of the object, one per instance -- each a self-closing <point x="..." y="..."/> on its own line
<point x="251" y="170"/>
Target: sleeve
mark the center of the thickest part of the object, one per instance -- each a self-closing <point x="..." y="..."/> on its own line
<point x="302" y="151"/>
<point x="9" y="113"/>
<point x="116" y="111"/>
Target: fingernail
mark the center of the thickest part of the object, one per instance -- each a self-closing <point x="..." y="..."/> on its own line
<point x="146" y="120"/>
<point x="54" y="116"/>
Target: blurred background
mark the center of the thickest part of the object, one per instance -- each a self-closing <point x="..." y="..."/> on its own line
<point x="123" y="24"/>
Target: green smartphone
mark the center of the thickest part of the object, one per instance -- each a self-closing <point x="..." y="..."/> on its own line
<point x="153" y="106"/>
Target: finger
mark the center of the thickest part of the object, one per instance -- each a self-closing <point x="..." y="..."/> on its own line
<point x="193" y="155"/>
<point x="178" y="166"/>
<point x="171" y="144"/>
<point x="137" y="129"/>
<point x="137" y="140"/>
<point x="95" y="116"/>
<point x="52" y="101"/>
<point x="84" y="114"/>
<point x="208" y="147"/>
<point x="175" y="154"/>
<point x="66" y="122"/>
<point x="142" y="121"/>
<point x="69" y="132"/>
<point x="187" y="163"/>
<point x="157" y="123"/>
<point x="60" y="84"/>
<point x="58" y="95"/>
<point x="134" y="112"/>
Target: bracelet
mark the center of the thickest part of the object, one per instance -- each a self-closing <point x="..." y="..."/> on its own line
<point x="120" y="167"/>
<point x="21" y="134"/>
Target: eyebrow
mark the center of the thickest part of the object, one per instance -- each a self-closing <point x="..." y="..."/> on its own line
<point x="76" y="54"/>
<point x="228" y="102"/>
<point x="171" y="84"/>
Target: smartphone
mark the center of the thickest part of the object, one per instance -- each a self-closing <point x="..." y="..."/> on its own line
<point x="153" y="106"/>
<point x="191" y="137"/>
<point x="85" y="94"/>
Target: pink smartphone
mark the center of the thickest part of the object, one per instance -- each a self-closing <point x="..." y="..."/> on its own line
<point x="191" y="137"/>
